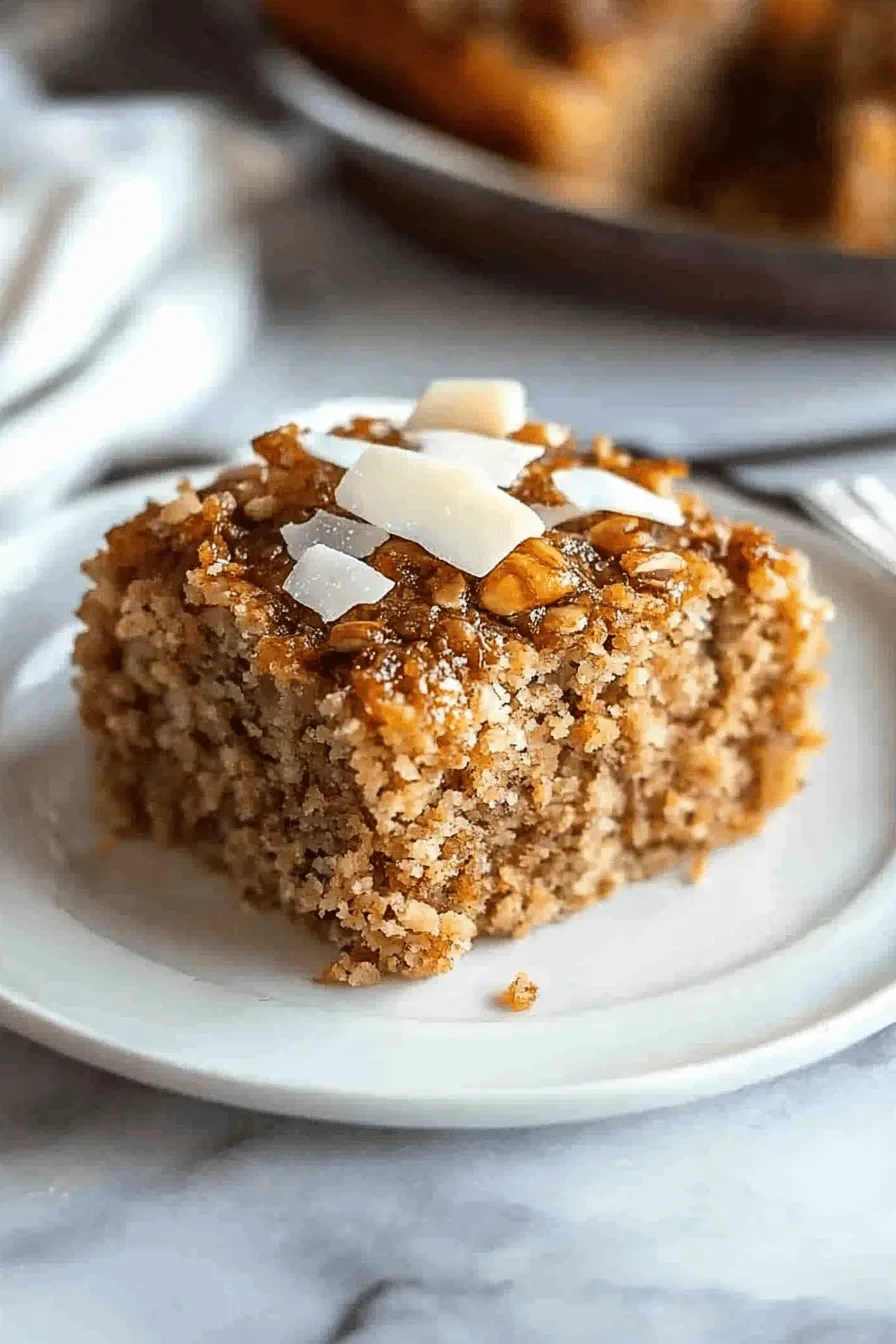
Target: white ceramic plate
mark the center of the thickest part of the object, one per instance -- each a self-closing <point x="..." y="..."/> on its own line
<point x="143" y="963"/>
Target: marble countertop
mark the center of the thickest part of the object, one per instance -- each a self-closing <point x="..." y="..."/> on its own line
<point x="768" y="1217"/>
<point x="133" y="1217"/>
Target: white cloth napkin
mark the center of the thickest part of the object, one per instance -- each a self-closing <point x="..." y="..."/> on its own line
<point x="127" y="277"/>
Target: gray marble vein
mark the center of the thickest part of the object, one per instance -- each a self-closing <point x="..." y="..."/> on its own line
<point x="767" y="1217"/>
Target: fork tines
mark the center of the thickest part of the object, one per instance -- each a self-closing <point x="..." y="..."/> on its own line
<point x="862" y="510"/>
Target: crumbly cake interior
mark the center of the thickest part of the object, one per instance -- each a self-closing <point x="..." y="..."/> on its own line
<point x="764" y="115"/>
<point x="467" y="756"/>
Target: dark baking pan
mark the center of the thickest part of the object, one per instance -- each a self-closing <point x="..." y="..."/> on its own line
<point x="504" y="214"/>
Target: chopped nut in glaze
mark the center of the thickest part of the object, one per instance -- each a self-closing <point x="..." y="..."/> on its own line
<point x="652" y="564"/>
<point x="618" y="534"/>
<point x="566" y="620"/>
<point x="450" y="590"/>
<point x="536" y="574"/>
<point x="352" y="636"/>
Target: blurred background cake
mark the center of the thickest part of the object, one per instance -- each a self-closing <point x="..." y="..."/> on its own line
<point x="763" y="115"/>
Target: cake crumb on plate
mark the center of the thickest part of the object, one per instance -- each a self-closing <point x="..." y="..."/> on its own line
<point x="520" y="994"/>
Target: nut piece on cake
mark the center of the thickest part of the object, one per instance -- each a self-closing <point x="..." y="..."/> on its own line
<point x="411" y="716"/>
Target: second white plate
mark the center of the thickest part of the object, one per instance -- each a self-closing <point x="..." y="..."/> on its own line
<point x="142" y="962"/>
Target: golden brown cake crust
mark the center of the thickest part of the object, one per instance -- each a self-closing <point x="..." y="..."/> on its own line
<point x="467" y="756"/>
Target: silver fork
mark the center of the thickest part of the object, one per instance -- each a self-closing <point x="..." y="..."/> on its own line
<point x="849" y="493"/>
<point x="862" y="511"/>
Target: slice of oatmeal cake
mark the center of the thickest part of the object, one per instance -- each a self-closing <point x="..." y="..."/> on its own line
<point x="418" y="683"/>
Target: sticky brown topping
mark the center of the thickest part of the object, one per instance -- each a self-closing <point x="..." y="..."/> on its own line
<point x="579" y="581"/>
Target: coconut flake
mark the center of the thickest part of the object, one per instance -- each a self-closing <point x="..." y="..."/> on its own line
<point x="332" y="448"/>
<point x="501" y="460"/>
<point x="492" y="406"/>
<point x="340" y="534"/>
<point x="454" y="512"/>
<point x="552" y="515"/>
<point x="331" y="583"/>
<point x="592" y="490"/>
<point x="557" y="435"/>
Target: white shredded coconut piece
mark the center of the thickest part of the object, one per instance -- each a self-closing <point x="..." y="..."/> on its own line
<point x="340" y="534"/>
<point x="552" y="515"/>
<point x="331" y="583"/>
<point x="492" y="406"/>
<point x="454" y="512"/>
<point x="380" y="429"/>
<point x="331" y="448"/>
<point x="501" y="460"/>
<point x="557" y="434"/>
<point x="592" y="490"/>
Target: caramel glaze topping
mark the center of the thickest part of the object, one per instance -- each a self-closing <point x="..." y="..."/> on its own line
<point x="579" y="581"/>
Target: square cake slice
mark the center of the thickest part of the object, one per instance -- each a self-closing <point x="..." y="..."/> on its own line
<point x="414" y="685"/>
